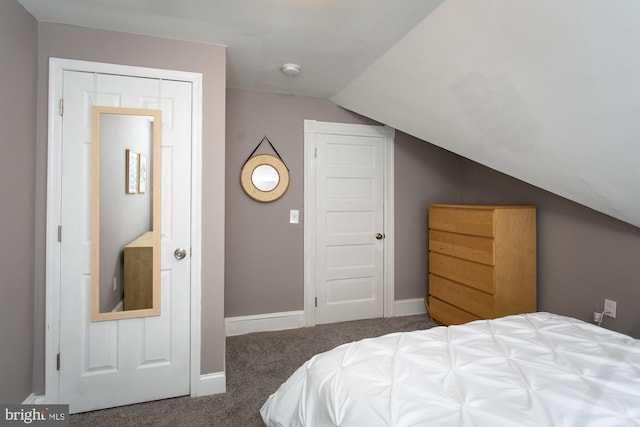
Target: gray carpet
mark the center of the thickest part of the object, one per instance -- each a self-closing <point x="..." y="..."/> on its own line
<point x="256" y="365"/>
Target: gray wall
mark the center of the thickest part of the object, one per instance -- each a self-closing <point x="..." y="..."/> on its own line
<point x="17" y="185"/>
<point x="71" y="42"/>
<point x="583" y="256"/>
<point x="424" y="174"/>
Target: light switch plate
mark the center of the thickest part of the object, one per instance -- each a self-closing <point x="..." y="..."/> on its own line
<point x="294" y="216"/>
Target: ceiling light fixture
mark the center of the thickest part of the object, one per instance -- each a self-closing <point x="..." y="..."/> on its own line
<point x="290" y="69"/>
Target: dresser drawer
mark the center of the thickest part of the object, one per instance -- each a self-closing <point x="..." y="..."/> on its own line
<point x="448" y="314"/>
<point x="464" y="297"/>
<point x="479" y="276"/>
<point x="473" y="248"/>
<point x="477" y="222"/>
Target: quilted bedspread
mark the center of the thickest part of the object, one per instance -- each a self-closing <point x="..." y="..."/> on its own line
<point x="537" y="369"/>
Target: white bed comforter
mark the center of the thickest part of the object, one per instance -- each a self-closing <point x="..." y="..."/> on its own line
<point x="535" y="369"/>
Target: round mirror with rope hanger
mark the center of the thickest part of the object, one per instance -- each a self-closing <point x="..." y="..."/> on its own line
<point x="264" y="177"/>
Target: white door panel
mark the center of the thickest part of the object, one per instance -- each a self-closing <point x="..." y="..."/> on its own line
<point x="358" y="289"/>
<point x="120" y="362"/>
<point x="349" y="214"/>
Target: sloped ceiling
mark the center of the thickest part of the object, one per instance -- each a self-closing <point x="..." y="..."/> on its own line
<point x="546" y="91"/>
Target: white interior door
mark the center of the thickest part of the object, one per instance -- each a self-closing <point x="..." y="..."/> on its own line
<point x="349" y="224"/>
<point x="112" y="363"/>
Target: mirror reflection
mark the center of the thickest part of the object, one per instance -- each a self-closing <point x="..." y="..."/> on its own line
<point x="265" y="177"/>
<point x="125" y="213"/>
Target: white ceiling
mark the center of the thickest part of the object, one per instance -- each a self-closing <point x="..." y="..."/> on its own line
<point x="547" y="91"/>
<point x="332" y="40"/>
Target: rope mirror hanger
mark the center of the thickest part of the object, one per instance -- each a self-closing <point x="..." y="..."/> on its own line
<point x="264" y="177"/>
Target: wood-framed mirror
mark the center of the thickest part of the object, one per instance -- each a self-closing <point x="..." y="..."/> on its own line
<point x="264" y="178"/>
<point x="125" y="213"/>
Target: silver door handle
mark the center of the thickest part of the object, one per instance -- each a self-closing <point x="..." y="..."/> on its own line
<point x="180" y="253"/>
<point x="380" y="236"/>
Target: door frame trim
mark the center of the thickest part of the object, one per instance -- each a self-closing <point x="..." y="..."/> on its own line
<point x="311" y="129"/>
<point x="57" y="67"/>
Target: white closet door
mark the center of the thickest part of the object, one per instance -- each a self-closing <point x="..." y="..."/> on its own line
<point x="119" y="362"/>
<point x="349" y="216"/>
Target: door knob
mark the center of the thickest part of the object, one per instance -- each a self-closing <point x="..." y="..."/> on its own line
<point x="180" y="253"/>
<point x="380" y="236"/>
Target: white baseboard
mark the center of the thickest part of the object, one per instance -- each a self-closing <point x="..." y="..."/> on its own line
<point x="214" y="383"/>
<point x="241" y="325"/>
<point x="34" y="399"/>
<point x="409" y="307"/>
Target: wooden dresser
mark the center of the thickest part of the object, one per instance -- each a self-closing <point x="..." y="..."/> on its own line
<point x="138" y="273"/>
<point x="482" y="262"/>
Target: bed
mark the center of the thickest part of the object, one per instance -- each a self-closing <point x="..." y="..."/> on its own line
<point x="537" y="369"/>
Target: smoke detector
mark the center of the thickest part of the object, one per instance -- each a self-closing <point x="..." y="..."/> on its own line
<point x="290" y="69"/>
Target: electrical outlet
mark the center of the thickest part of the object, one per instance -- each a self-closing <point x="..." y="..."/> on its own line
<point x="115" y="284"/>
<point x="610" y="308"/>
